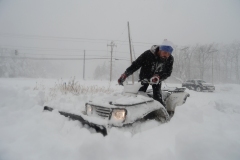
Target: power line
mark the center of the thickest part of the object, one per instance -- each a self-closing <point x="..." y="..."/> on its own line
<point x="119" y="37"/>
<point x="61" y="55"/>
<point x="41" y="58"/>
<point x="64" y="38"/>
<point x="50" y="49"/>
<point x="49" y="37"/>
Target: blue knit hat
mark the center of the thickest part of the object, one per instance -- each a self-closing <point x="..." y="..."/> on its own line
<point x="166" y="46"/>
<point x="168" y="49"/>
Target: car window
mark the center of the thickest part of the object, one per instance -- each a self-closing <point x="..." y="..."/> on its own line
<point x="201" y="81"/>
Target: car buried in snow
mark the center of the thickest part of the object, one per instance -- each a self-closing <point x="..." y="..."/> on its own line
<point x="127" y="108"/>
<point x="198" y="85"/>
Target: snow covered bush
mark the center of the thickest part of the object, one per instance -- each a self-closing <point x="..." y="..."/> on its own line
<point x="75" y="88"/>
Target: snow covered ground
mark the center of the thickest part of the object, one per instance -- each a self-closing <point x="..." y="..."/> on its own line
<point x="205" y="127"/>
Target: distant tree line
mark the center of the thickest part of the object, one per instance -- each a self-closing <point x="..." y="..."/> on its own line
<point x="210" y="62"/>
<point x="11" y="65"/>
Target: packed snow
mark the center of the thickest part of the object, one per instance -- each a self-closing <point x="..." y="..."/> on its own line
<point x="205" y="127"/>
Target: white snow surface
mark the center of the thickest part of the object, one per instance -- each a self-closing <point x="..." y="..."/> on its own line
<point x="205" y="127"/>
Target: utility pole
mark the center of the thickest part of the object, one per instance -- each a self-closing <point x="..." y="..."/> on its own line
<point x="112" y="44"/>
<point x="84" y="66"/>
<point x="130" y="46"/>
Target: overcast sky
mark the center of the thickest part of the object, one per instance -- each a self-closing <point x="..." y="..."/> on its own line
<point x="92" y="24"/>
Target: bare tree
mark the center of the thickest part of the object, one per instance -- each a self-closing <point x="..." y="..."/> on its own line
<point x="203" y="55"/>
<point x="221" y="63"/>
<point x="179" y="64"/>
<point x="235" y="48"/>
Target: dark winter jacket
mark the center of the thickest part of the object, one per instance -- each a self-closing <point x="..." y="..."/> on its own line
<point x="151" y="64"/>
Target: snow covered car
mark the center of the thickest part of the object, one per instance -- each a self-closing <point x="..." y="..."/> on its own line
<point x="198" y="85"/>
<point x="126" y="108"/>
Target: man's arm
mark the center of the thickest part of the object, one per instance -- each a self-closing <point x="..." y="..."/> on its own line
<point x="136" y="64"/>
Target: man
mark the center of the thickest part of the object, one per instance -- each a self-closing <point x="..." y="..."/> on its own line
<point x="156" y="65"/>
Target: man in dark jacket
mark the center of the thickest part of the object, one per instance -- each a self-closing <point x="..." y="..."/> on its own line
<point x="156" y="65"/>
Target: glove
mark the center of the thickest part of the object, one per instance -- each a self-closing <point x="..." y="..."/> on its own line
<point x="122" y="79"/>
<point x="155" y="79"/>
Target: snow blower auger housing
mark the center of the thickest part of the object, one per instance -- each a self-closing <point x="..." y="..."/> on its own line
<point x="126" y="108"/>
<point x="98" y="128"/>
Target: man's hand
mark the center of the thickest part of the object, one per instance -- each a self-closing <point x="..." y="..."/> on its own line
<point x="155" y="79"/>
<point x="122" y="79"/>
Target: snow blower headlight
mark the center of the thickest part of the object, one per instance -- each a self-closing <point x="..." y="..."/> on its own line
<point x="119" y="114"/>
<point x="89" y="109"/>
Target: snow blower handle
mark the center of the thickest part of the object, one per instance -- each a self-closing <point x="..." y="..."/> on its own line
<point x="151" y="82"/>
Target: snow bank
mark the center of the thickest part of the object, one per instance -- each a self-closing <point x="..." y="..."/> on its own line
<point x="205" y="127"/>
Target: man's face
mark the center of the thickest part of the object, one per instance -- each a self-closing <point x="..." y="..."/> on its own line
<point x="163" y="54"/>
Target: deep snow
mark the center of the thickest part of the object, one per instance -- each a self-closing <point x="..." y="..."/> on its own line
<point x="205" y="127"/>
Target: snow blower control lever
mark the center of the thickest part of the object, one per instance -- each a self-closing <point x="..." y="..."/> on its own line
<point x="153" y="80"/>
